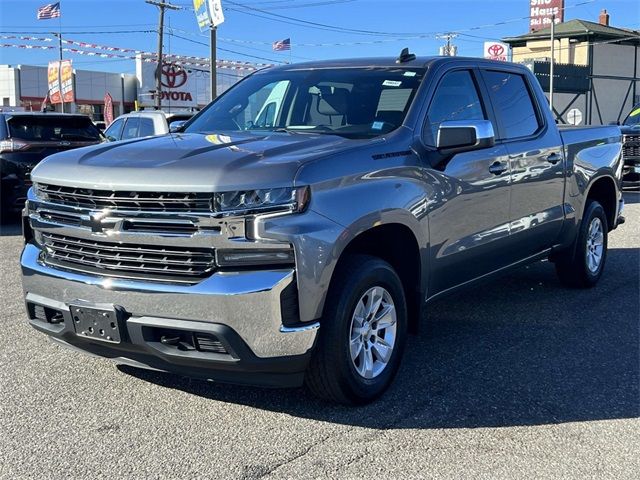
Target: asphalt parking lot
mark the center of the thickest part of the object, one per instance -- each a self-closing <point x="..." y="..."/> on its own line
<point x="517" y="378"/>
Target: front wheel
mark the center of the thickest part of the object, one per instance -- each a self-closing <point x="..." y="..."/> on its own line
<point x="582" y="265"/>
<point x="362" y="334"/>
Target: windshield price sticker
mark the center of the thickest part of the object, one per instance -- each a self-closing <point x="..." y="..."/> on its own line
<point x="391" y="83"/>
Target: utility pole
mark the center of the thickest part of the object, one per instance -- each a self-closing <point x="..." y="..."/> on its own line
<point x="448" y="50"/>
<point x="553" y="60"/>
<point x="162" y="5"/>
<point x="212" y="65"/>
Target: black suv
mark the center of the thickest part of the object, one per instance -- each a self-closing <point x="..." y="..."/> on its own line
<point x="631" y="148"/>
<point x="26" y="138"/>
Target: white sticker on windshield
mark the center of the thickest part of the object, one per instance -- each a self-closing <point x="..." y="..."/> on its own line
<point x="377" y="125"/>
<point x="391" y="83"/>
<point x="409" y="74"/>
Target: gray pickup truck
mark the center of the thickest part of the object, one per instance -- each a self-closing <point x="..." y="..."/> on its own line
<point x="297" y="228"/>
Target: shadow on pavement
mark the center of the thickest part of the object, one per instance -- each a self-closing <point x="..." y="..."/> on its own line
<point x="521" y="350"/>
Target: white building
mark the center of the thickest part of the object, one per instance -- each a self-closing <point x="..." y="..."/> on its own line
<point x="185" y="86"/>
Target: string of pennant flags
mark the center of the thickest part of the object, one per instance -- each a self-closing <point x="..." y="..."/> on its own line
<point x="146" y="57"/>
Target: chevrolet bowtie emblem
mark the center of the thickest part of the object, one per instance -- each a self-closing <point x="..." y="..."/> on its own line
<point x="94" y="222"/>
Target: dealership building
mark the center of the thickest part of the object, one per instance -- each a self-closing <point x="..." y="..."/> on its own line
<point x="185" y="86"/>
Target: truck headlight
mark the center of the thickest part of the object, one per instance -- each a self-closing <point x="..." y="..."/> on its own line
<point x="269" y="199"/>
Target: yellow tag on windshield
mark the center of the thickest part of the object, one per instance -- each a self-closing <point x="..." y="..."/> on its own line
<point x="635" y="112"/>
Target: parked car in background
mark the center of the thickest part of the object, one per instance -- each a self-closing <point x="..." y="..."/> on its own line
<point x="631" y="149"/>
<point x="146" y="123"/>
<point x="26" y="138"/>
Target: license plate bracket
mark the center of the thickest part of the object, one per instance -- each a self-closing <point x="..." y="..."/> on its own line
<point x="96" y="323"/>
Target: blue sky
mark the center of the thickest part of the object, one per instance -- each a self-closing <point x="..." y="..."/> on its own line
<point x="248" y="32"/>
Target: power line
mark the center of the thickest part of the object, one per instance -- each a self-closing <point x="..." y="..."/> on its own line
<point x="317" y="25"/>
<point x="224" y="49"/>
<point x="247" y="10"/>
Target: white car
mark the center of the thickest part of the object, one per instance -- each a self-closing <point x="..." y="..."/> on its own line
<point x="146" y="123"/>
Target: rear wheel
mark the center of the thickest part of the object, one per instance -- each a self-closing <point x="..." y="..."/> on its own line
<point x="362" y="334"/>
<point x="583" y="264"/>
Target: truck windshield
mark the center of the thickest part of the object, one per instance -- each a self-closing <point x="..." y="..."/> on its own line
<point x="53" y="128"/>
<point x="634" y="117"/>
<point x="350" y="102"/>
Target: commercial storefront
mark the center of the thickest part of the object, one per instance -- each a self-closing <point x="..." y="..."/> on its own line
<point x="185" y="86"/>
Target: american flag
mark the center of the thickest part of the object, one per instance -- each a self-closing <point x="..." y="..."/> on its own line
<point x="281" y="45"/>
<point x="51" y="10"/>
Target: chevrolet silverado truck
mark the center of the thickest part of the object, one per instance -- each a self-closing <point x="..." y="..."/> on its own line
<point x="304" y="247"/>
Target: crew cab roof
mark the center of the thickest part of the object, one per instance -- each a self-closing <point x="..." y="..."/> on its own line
<point x="418" y="62"/>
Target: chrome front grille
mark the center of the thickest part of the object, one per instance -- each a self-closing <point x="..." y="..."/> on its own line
<point x="125" y="200"/>
<point x="631" y="147"/>
<point x="128" y="260"/>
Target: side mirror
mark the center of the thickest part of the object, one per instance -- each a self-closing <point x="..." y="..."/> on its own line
<point x="176" y="126"/>
<point x="455" y="136"/>
<point x="111" y="139"/>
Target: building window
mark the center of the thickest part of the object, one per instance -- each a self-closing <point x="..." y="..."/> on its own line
<point x="94" y="111"/>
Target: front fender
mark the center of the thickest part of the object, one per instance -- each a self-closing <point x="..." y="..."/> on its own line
<point x="338" y="213"/>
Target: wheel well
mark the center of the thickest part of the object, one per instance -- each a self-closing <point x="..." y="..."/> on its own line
<point x="604" y="191"/>
<point x="397" y="245"/>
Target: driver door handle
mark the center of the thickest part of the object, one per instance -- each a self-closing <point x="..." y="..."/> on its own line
<point x="554" y="158"/>
<point x="498" y="168"/>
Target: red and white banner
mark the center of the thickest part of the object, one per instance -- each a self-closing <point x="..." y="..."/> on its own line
<point x="60" y="81"/>
<point x="53" y="80"/>
<point x="66" y="77"/>
<point x="108" y="109"/>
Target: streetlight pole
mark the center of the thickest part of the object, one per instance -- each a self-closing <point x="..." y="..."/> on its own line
<point x="212" y="65"/>
<point x="553" y="59"/>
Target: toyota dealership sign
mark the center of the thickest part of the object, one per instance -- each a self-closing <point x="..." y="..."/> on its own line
<point x="496" y="51"/>
<point x="181" y="86"/>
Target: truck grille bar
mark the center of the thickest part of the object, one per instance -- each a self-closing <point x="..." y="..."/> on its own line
<point x="631" y="147"/>
<point x="125" y="200"/>
<point x="128" y="260"/>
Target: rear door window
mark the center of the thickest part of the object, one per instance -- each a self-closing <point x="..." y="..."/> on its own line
<point x="146" y="127"/>
<point x="131" y="128"/>
<point x="53" y="128"/>
<point x="513" y="104"/>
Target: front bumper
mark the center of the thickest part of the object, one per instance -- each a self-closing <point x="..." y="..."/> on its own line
<point x="242" y="309"/>
<point x="631" y="173"/>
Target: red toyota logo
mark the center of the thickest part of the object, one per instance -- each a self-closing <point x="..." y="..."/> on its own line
<point x="496" y="50"/>
<point x="173" y="76"/>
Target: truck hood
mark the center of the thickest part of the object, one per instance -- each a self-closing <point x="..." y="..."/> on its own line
<point x="190" y="162"/>
<point x="630" y="130"/>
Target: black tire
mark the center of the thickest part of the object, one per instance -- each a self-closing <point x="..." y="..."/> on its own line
<point x="332" y="374"/>
<point x="572" y="265"/>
